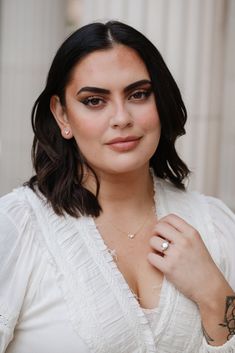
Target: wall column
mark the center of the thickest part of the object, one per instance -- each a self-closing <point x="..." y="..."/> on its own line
<point x="30" y="32"/>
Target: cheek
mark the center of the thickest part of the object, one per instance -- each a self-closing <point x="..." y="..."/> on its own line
<point x="150" y="120"/>
<point x="84" y="124"/>
<point x="85" y="129"/>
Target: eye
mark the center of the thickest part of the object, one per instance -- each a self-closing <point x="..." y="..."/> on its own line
<point x="141" y="94"/>
<point x="93" y="101"/>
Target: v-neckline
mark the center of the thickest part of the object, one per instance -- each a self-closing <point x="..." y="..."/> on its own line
<point x="133" y="307"/>
<point x="102" y="308"/>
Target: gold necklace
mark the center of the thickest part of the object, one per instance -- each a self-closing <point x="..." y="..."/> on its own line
<point x="131" y="235"/>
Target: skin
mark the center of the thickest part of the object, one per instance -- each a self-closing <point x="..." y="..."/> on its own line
<point x="94" y="119"/>
<point x="187" y="264"/>
<point x="107" y="116"/>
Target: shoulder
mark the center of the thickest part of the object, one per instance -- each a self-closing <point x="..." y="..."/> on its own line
<point x="16" y="207"/>
<point x="13" y="209"/>
<point x="17" y="219"/>
<point x="197" y="206"/>
<point x="199" y="201"/>
<point x="174" y="196"/>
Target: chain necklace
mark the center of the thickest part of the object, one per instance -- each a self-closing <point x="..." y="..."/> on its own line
<point x="131" y="235"/>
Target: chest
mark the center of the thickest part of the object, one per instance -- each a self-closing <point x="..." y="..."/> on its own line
<point x="130" y="256"/>
<point x="96" y="286"/>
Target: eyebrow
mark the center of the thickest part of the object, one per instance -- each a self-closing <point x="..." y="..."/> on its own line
<point x="106" y="91"/>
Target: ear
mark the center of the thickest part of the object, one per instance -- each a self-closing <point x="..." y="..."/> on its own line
<point x="60" y="116"/>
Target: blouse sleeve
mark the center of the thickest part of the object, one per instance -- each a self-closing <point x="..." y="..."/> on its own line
<point x="224" y="226"/>
<point x="16" y="259"/>
<point x="223" y="220"/>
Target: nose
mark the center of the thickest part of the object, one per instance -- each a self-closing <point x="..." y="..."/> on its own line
<point x="121" y="116"/>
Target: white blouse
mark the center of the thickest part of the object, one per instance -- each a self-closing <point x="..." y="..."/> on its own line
<point x="61" y="290"/>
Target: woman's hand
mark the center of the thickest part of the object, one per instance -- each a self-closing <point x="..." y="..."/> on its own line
<point x="188" y="265"/>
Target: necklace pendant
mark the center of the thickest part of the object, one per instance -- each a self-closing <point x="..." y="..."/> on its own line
<point x="130" y="236"/>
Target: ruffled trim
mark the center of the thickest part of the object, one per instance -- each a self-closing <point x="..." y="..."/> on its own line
<point x="136" y="322"/>
<point x="62" y="241"/>
<point x="102" y="308"/>
<point x="106" y="321"/>
<point x="76" y="248"/>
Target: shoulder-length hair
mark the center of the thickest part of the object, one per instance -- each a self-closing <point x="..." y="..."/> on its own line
<point x="58" y="163"/>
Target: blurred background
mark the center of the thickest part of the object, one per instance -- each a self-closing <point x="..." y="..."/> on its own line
<point x="197" y="41"/>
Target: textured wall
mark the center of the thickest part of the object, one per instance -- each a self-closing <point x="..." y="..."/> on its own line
<point x="30" y="32"/>
<point x="196" y="39"/>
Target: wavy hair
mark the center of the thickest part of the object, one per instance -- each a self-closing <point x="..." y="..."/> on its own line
<point x="58" y="163"/>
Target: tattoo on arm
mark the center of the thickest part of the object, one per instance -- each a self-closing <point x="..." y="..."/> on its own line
<point x="229" y="320"/>
<point x="229" y="316"/>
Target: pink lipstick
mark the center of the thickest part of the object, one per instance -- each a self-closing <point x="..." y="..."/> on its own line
<point x="124" y="144"/>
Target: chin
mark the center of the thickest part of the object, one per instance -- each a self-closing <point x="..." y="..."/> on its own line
<point x="123" y="163"/>
<point x="125" y="168"/>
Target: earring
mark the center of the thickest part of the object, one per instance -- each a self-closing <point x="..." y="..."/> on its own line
<point x="67" y="131"/>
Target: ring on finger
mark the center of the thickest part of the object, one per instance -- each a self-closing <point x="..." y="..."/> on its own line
<point x="165" y="245"/>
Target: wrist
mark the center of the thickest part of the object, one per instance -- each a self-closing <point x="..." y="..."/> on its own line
<point x="214" y="295"/>
<point x="215" y="315"/>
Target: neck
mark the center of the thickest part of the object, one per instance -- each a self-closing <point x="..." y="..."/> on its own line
<point x="128" y="191"/>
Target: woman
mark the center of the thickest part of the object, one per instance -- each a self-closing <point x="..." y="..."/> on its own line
<point x="103" y="250"/>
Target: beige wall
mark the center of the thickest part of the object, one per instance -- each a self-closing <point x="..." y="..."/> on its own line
<point x="30" y="32"/>
<point x="196" y="38"/>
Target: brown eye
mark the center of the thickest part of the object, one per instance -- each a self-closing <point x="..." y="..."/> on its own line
<point x="140" y="95"/>
<point x="93" y="101"/>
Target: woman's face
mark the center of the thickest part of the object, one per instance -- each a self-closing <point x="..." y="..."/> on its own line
<point x="110" y="110"/>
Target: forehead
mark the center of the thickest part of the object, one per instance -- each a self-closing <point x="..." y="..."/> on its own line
<point x="105" y="67"/>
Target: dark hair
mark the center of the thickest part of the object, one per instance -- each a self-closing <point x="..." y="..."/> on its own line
<point x="58" y="163"/>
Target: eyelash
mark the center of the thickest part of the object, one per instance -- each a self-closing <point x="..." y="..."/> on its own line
<point x="145" y="92"/>
<point x="88" y="101"/>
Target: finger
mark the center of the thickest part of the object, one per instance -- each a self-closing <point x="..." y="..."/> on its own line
<point x="158" y="244"/>
<point x="157" y="261"/>
<point x="177" y="222"/>
<point x="167" y="231"/>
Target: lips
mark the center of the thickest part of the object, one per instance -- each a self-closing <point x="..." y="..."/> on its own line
<point x="124" y="144"/>
<point x="123" y="139"/>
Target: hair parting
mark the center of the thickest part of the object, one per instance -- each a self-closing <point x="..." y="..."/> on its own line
<point x="59" y="164"/>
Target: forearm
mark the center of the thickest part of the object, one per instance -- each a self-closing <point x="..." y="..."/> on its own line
<point x="218" y="316"/>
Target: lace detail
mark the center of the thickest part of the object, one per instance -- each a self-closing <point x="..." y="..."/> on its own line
<point x="4" y="321"/>
<point x="153" y="316"/>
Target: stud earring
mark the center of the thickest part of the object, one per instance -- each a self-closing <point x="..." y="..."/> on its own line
<point x="67" y="131"/>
